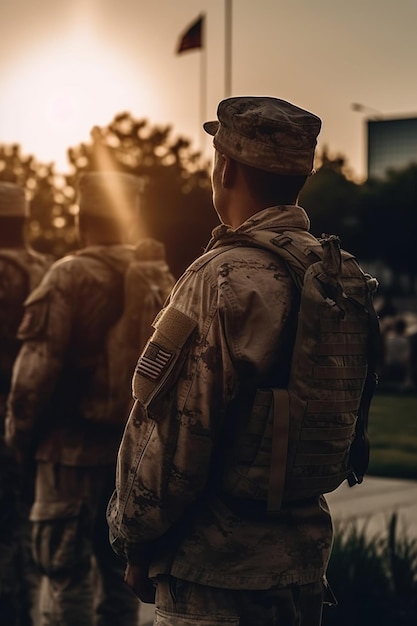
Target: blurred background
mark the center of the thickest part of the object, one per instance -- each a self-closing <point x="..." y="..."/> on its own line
<point x="99" y="84"/>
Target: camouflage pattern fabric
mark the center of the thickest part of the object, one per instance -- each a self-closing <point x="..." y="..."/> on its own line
<point x="63" y="331"/>
<point x="13" y="292"/>
<point x="69" y="526"/>
<point x="13" y="591"/>
<point x="227" y="330"/>
<point x="20" y="271"/>
<point x="267" y="133"/>
<point x="185" y="603"/>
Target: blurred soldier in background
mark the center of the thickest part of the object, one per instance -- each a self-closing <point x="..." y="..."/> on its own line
<point x="21" y="269"/>
<point x="60" y="409"/>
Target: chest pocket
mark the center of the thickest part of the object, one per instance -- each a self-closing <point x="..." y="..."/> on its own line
<point x="160" y="362"/>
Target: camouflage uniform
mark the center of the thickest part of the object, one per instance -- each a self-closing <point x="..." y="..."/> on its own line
<point x="14" y="600"/>
<point x="63" y="332"/>
<point x="227" y="330"/>
<point x="21" y="269"/>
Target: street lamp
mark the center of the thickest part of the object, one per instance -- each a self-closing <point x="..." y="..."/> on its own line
<point x="363" y="108"/>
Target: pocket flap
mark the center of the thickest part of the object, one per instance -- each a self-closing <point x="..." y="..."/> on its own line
<point x="161" y="355"/>
<point x="42" y="511"/>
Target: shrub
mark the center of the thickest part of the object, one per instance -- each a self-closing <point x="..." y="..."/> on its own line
<point x="373" y="577"/>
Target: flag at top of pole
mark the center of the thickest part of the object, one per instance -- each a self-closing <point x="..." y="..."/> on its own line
<point x="192" y="37"/>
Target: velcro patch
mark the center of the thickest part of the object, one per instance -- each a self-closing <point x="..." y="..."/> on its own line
<point x="153" y="362"/>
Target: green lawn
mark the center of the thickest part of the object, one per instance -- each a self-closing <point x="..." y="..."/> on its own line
<point x="393" y="436"/>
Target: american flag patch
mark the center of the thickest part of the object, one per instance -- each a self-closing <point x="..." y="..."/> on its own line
<point x="153" y="361"/>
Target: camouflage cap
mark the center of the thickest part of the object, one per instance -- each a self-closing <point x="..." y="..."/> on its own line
<point x="267" y="133"/>
<point x="108" y="194"/>
<point x="13" y="201"/>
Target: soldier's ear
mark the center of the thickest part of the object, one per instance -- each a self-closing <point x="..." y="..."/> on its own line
<point x="229" y="171"/>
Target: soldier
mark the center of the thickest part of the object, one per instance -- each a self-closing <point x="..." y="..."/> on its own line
<point x="189" y="513"/>
<point x="59" y="396"/>
<point x="21" y="269"/>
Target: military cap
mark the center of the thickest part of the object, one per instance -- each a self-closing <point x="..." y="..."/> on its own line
<point x="267" y="133"/>
<point x="108" y="193"/>
<point x="13" y="202"/>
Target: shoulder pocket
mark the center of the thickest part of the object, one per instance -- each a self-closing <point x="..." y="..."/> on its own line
<point x="36" y="314"/>
<point x="162" y="358"/>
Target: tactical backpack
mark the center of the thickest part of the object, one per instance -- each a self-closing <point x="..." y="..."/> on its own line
<point x="316" y="429"/>
<point x="147" y="282"/>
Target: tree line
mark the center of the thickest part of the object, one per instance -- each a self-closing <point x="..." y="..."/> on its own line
<point x="375" y="219"/>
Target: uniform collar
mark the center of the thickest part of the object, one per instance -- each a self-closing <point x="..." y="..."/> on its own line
<point x="274" y="218"/>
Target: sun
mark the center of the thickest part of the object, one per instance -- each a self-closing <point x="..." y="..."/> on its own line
<point x="64" y="88"/>
<point x="63" y="109"/>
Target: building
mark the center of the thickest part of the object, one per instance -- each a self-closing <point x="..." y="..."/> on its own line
<point x="392" y="144"/>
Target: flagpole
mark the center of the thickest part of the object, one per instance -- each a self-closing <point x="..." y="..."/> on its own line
<point x="195" y="37"/>
<point x="228" y="49"/>
<point x="203" y="85"/>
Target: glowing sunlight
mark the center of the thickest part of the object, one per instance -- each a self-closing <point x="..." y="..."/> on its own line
<point x="58" y="93"/>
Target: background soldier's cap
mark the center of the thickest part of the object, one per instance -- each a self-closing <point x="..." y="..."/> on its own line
<point x="13" y="202"/>
<point x="267" y="133"/>
<point x="108" y="194"/>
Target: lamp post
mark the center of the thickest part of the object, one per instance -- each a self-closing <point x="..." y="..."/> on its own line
<point x="372" y="115"/>
<point x="364" y="108"/>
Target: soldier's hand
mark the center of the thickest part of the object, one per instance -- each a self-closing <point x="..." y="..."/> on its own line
<point x="136" y="577"/>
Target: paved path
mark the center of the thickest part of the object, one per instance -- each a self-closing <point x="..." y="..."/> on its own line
<point x="373" y="503"/>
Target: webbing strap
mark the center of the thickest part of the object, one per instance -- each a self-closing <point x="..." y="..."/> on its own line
<point x="323" y="484"/>
<point x="327" y="434"/>
<point x="341" y="327"/>
<point x="333" y="372"/>
<point x="319" y="459"/>
<point x="280" y="406"/>
<point x="340" y="349"/>
<point x="342" y="406"/>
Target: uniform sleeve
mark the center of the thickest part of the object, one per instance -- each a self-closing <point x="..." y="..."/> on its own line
<point x="171" y="440"/>
<point x="166" y="450"/>
<point x="45" y="332"/>
<point x="13" y="291"/>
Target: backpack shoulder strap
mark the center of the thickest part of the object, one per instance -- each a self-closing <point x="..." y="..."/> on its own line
<point x="297" y="248"/>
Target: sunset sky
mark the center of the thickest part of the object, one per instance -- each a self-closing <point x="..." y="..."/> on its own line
<point x="67" y="66"/>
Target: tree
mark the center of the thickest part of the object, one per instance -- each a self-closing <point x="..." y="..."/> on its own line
<point x="389" y="221"/>
<point x="332" y="202"/>
<point x="375" y="220"/>
<point x="51" y="224"/>
<point x="176" y="195"/>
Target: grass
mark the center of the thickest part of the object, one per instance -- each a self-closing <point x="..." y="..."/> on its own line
<point x="393" y="436"/>
<point x="374" y="578"/>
